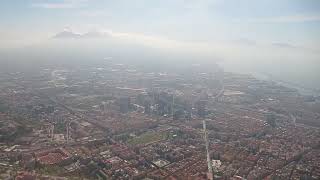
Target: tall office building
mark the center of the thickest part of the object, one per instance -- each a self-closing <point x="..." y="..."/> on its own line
<point x="210" y="170"/>
<point x="201" y="108"/>
<point x="124" y="104"/>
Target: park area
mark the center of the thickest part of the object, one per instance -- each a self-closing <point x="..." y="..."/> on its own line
<point x="148" y="137"/>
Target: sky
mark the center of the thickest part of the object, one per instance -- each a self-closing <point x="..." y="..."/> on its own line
<point x="267" y="31"/>
<point x="278" y="22"/>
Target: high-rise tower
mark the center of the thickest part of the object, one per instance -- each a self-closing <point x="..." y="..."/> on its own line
<point x="210" y="171"/>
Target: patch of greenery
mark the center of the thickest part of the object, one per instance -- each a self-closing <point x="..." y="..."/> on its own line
<point x="271" y="120"/>
<point x="60" y="127"/>
<point x="20" y="131"/>
<point x="3" y="107"/>
<point x="148" y="138"/>
<point x="51" y="170"/>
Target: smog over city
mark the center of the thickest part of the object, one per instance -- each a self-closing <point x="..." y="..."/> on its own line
<point x="160" y="89"/>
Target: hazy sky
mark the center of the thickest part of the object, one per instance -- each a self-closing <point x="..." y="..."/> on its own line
<point x="280" y="37"/>
<point x="238" y="31"/>
<point x="278" y="22"/>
